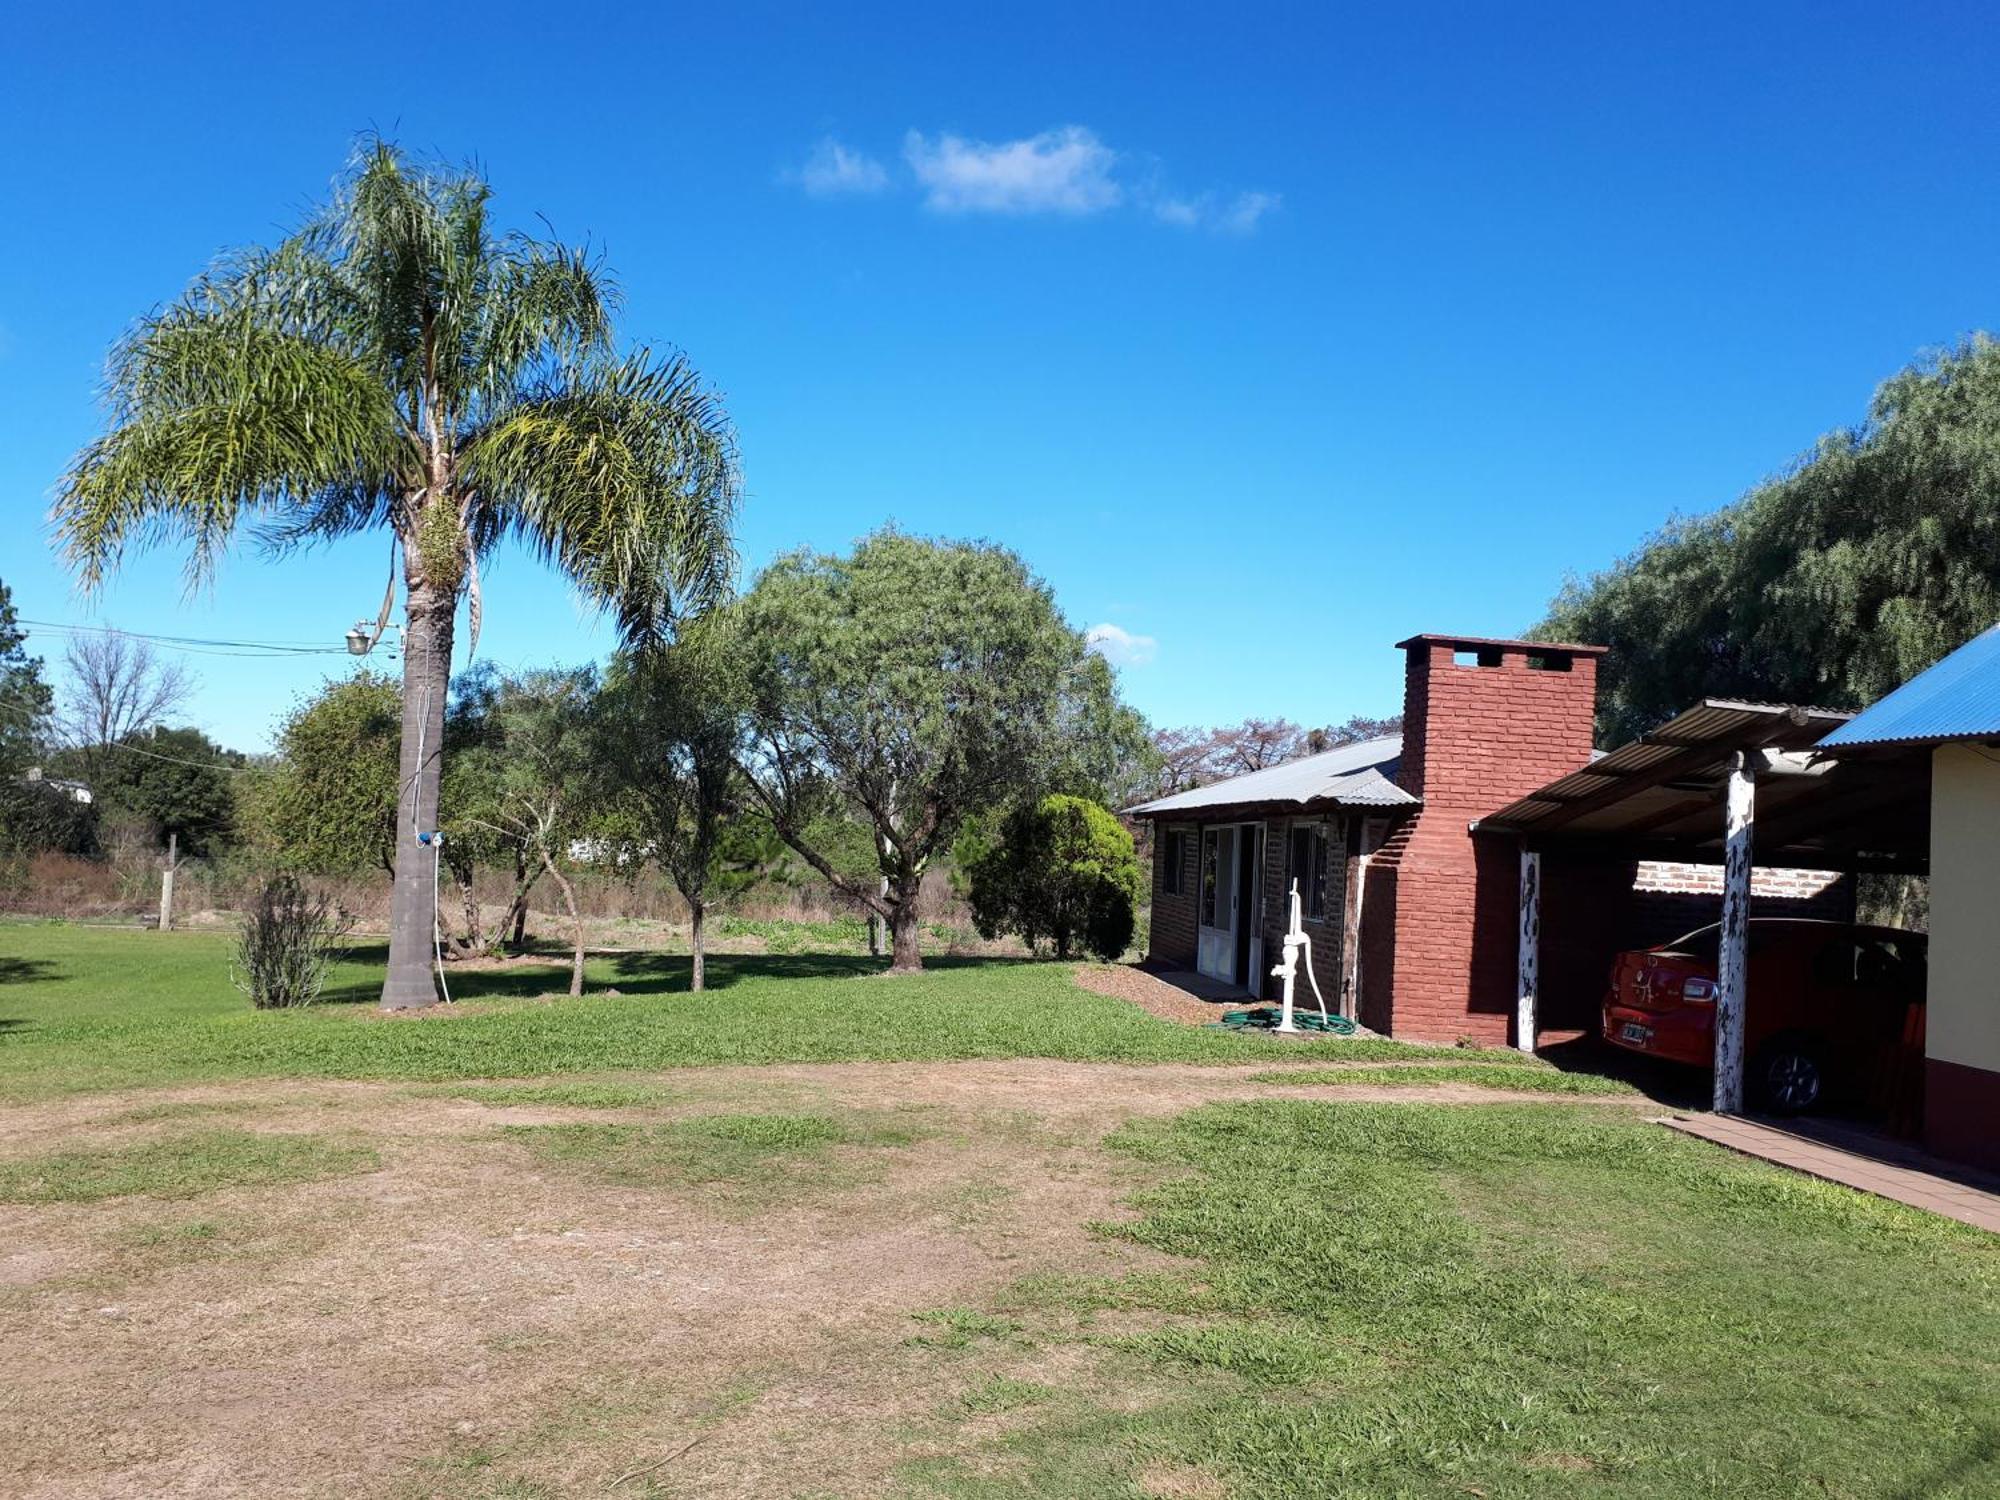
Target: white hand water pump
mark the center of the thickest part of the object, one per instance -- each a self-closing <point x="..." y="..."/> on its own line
<point x="1296" y="942"/>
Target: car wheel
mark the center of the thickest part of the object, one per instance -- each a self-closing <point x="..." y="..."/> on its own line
<point x="1789" y="1078"/>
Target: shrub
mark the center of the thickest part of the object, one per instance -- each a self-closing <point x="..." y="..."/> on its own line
<point x="287" y="943"/>
<point x="1063" y="871"/>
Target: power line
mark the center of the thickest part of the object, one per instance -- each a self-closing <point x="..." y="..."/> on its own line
<point x="201" y="645"/>
<point x="23" y="707"/>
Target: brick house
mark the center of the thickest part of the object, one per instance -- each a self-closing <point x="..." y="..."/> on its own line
<point x="1414" y="918"/>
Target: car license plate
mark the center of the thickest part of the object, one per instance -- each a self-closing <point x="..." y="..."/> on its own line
<point x="1632" y="1031"/>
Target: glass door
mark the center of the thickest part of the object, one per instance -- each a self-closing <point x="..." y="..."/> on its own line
<point x="1215" y="933"/>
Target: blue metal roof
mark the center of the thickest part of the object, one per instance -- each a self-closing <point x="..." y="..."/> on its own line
<point x="1958" y="699"/>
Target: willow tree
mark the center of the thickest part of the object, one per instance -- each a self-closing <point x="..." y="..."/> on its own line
<point x="1862" y="564"/>
<point x="399" y="364"/>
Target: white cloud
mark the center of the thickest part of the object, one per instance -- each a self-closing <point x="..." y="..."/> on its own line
<point x="833" y="169"/>
<point x="1239" y="215"/>
<point x="1120" y="646"/>
<point x="1066" y="171"/>
<point x="1243" y="214"/>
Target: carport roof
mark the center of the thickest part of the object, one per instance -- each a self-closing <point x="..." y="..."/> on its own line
<point x="1660" y="797"/>
<point x="1956" y="699"/>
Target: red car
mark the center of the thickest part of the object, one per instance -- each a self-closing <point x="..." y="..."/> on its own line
<point x="1832" y="1008"/>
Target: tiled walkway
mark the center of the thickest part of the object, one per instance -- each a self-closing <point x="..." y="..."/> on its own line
<point x="1874" y="1164"/>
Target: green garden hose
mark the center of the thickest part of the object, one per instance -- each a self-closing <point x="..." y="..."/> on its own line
<point x="1267" y="1020"/>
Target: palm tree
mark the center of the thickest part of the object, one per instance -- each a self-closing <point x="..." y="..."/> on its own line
<point x="396" y="363"/>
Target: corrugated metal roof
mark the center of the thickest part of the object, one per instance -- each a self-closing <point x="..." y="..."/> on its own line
<point x="1358" y="775"/>
<point x="1641" y="780"/>
<point x="1958" y="699"/>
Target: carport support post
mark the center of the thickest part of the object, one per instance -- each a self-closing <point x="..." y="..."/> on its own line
<point x="1530" y="951"/>
<point x="1739" y="813"/>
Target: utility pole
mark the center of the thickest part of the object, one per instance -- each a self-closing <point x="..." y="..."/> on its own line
<point x="167" y="882"/>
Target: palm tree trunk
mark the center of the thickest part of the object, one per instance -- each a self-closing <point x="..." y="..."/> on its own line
<point x="413" y="901"/>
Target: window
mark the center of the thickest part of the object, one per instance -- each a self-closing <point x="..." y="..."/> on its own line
<point x="1308" y="868"/>
<point x="1173" y="880"/>
<point x="1210" y="870"/>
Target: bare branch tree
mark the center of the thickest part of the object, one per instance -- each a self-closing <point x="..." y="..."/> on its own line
<point x="1193" y="757"/>
<point x="117" y="687"/>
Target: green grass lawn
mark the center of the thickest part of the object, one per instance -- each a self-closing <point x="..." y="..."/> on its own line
<point x="98" y="1008"/>
<point x="177" y="1166"/>
<point x="1531" y="1300"/>
<point x="1519" y="1300"/>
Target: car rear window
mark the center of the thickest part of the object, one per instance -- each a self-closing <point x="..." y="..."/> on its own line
<point x="1704" y="943"/>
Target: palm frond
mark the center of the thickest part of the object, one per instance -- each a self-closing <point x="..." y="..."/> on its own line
<point x="545" y="304"/>
<point x="625" y="477"/>
<point x="222" y="416"/>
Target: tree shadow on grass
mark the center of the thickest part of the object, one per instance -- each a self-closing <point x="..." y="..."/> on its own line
<point x="945" y="962"/>
<point x="1665" y="1083"/>
<point x="668" y="973"/>
<point x="26" y="970"/>
<point x="638" y="973"/>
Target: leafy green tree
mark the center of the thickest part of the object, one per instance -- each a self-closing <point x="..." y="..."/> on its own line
<point x="669" y="725"/>
<point x="398" y="363"/>
<point x="540" y="778"/>
<point x="1104" y="747"/>
<point x="474" y="760"/>
<point x="328" y="803"/>
<point x="1831" y="584"/>
<point x="1063" y="871"/>
<point x="25" y="704"/>
<point x="911" y="683"/>
<point x="173" y="782"/>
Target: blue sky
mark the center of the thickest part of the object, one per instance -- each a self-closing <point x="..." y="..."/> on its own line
<point x="1269" y="335"/>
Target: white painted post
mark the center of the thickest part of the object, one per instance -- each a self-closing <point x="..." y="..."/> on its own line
<point x="1739" y="815"/>
<point x="167" y="882"/>
<point x="1530" y="952"/>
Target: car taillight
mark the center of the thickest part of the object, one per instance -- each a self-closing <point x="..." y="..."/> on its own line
<point x="1697" y="989"/>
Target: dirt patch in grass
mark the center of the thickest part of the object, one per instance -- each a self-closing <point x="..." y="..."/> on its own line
<point x="1149" y="992"/>
<point x="564" y="1093"/>
<point x="1180" y="1482"/>
<point x="477" y="1319"/>
<point x="474" y="1321"/>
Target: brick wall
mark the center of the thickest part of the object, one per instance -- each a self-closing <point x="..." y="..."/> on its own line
<point x="1171" y="937"/>
<point x="1484" y="722"/>
<point x="1277" y="916"/>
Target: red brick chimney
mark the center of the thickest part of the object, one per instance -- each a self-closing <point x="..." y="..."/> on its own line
<point x="1484" y="722"/>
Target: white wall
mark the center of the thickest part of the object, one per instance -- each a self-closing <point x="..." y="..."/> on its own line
<point x="1964" y="1021"/>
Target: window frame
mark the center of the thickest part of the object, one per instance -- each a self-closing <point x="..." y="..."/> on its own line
<point x="1208" y="876"/>
<point x="1173" y="881"/>
<point x="1317" y="834"/>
